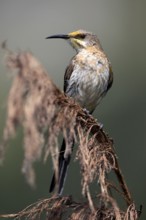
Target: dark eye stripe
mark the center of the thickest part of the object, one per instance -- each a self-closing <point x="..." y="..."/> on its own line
<point x="82" y="36"/>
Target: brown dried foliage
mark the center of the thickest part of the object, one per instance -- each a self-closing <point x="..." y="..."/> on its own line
<point x="44" y="112"/>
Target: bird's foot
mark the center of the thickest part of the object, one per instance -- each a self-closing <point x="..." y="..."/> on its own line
<point x="100" y="125"/>
<point x="86" y="111"/>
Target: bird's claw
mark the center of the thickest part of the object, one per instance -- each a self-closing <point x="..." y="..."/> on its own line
<point x="100" y="125"/>
<point x="86" y="111"/>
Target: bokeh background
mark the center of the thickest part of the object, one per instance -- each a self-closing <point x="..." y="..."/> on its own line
<point x="121" y="27"/>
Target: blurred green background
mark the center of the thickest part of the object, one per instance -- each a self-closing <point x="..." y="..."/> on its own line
<point x="121" y="28"/>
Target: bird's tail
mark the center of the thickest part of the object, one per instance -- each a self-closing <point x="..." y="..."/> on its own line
<point x="63" y="166"/>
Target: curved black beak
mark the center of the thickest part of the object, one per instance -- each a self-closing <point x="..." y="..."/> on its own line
<point x="63" y="36"/>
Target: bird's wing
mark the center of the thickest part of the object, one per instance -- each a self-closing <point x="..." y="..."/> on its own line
<point x="67" y="75"/>
<point x="110" y="80"/>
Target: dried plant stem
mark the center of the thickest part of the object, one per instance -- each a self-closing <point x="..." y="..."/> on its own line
<point x="45" y="112"/>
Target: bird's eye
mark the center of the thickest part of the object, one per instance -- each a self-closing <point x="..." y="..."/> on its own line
<point x="81" y="36"/>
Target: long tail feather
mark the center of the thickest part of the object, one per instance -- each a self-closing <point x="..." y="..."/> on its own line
<point x="63" y="166"/>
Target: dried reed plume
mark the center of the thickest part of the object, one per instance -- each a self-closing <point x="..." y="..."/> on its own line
<point x="45" y="112"/>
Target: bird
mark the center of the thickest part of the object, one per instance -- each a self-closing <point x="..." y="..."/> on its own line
<point x="87" y="79"/>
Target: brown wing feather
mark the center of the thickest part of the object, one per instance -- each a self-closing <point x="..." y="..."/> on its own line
<point x="67" y="75"/>
<point x="110" y="80"/>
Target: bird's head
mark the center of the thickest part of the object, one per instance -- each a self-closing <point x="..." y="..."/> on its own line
<point x="79" y="39"/>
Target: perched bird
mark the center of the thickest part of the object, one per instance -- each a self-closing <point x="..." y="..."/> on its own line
<point x="87" y="79"/>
